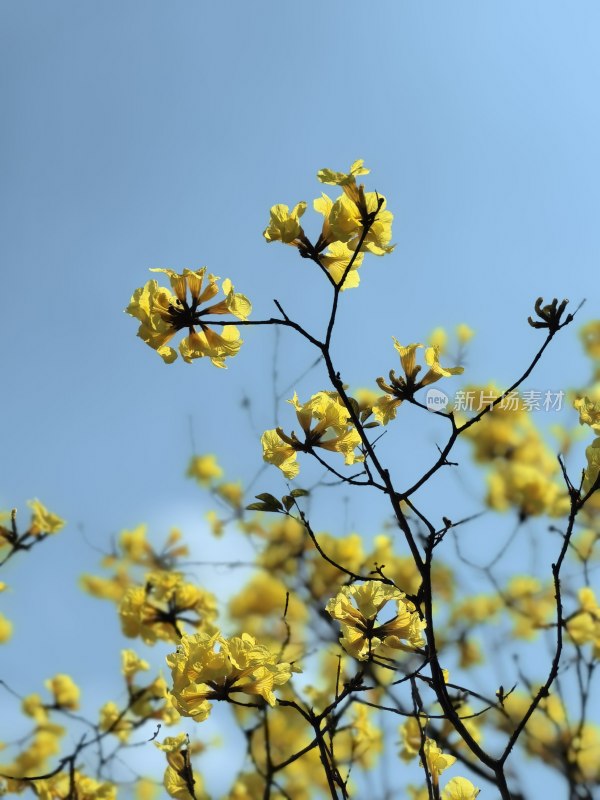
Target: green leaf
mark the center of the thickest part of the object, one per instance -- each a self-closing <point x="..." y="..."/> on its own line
<point x="258" y="507"/>
<point x="269" y="500"/>
<point x="300" y="493"/>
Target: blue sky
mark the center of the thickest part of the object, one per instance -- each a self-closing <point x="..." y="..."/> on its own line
<point x="147" y="134"/>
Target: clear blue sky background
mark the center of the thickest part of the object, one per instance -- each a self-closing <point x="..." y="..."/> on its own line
<point x="148" y="134"/>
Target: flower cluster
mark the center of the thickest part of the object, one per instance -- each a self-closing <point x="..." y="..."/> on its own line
<point x="333" y="431"/>
<point x="404" y="387"/>
<point x="364" y="634"/>
<point x="210" y="667"/>
<point x="43" y="523"/>
<point x="550" y="731"/>
<point x="524" y="470"/>
<point x="158" y="609"/>
<point x="584" y="625"/>
<point x="144" y="701"/>
<point x="162" y="313"/>
<point x="354" y="223"/>
<point x="179" y="779"/>
<point x="133" y="551"/>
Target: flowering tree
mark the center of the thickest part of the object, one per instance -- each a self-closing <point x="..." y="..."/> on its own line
<point x="340" y="657"/>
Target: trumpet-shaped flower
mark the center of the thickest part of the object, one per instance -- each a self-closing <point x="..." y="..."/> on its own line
<point x="209" y="667"/>
<point x="345" y="220"/>
<point x="584" y="625"/>
<point x="131" y="664"/>
<point x="355" y="212"/>
<point x="42" y="520"/>
<point x="343" y="178"/>
<point x="156" y="610"/>
<point x="337" y="260"/>
<point x="5" y="629"/>
<point x="180" y="781"/>
<point x="589" y="412"/>
<point x="333" y="431"/>
<point x="592" y="471"/>
<point x="75" y="784"/>
<point x="363" y="634"/>
<point x="162" y="313"/>
<point x="436" y="760"/>
<point x="65" y="692"/>
<point x="411" y="738"/>
<point x="405" y="386"/>
<point x="205" y="469"/>
<point x="284" y="225"/>
<point x="526" y="488"/>
<point x="459" y="789"/>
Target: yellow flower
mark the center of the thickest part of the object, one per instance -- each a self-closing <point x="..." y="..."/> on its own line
<point x="477" y="609"/>
<point x="584" y="626"/>
<point x="232" y="493"/>
<point x="247" y="786"/>
<point x="286" y="541"/>
<point x="76" y="785"/>
<point x="113" y="719"/>
<point x="526" y="488"/>
<point x="201" y="672"/>
<point x="131" y="664"/>
<point x="154" y="702"/>
<point x="65" y="690"/>
<point x="342" y="222"/>
<point x="417" y="793"/>
<point x="145" y="789"/>
<point x="42" y="520"/>
<point x="585" y="544"/>
<point x="343" y="178"/>
<point x="157" y="609"/>
<point x="530" y="603"/>
<point x="179" y="779"/>
<point x="593" y="465"/>
<point x="44" y="743"/>
<point x="363" y="635"/>
<point x="346" y="218"/>
<point x="336" y="261"/>
<point x="347" y="551"/>
<point x="410" y="733"/>
<point x="404" y="387"/>
<point x="464" y="333"/>
<point x="134" y="545"/>
<point x="204" y="469"/>
<point x="162" y="314"/>
<point x="589" y="412"/>
<point x="106" y="588"/>
<point x="470" y="653"/>
<point x="590" y="336"/>
<point x="359" y="741"/>
<point x="33" y="706"/>
<point x="284" y="226"/>
<point x="439" y="338"/>
<point x="436" y="761"/>
<point x="277" y="451"/>
<point x="584" y="752"/>
<point x="263" y="597"/>
<point x="333" y="431"/>
<point x="459" y="789"/>
<point x="5" y="629"/>
<point x="215" y="523"/>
